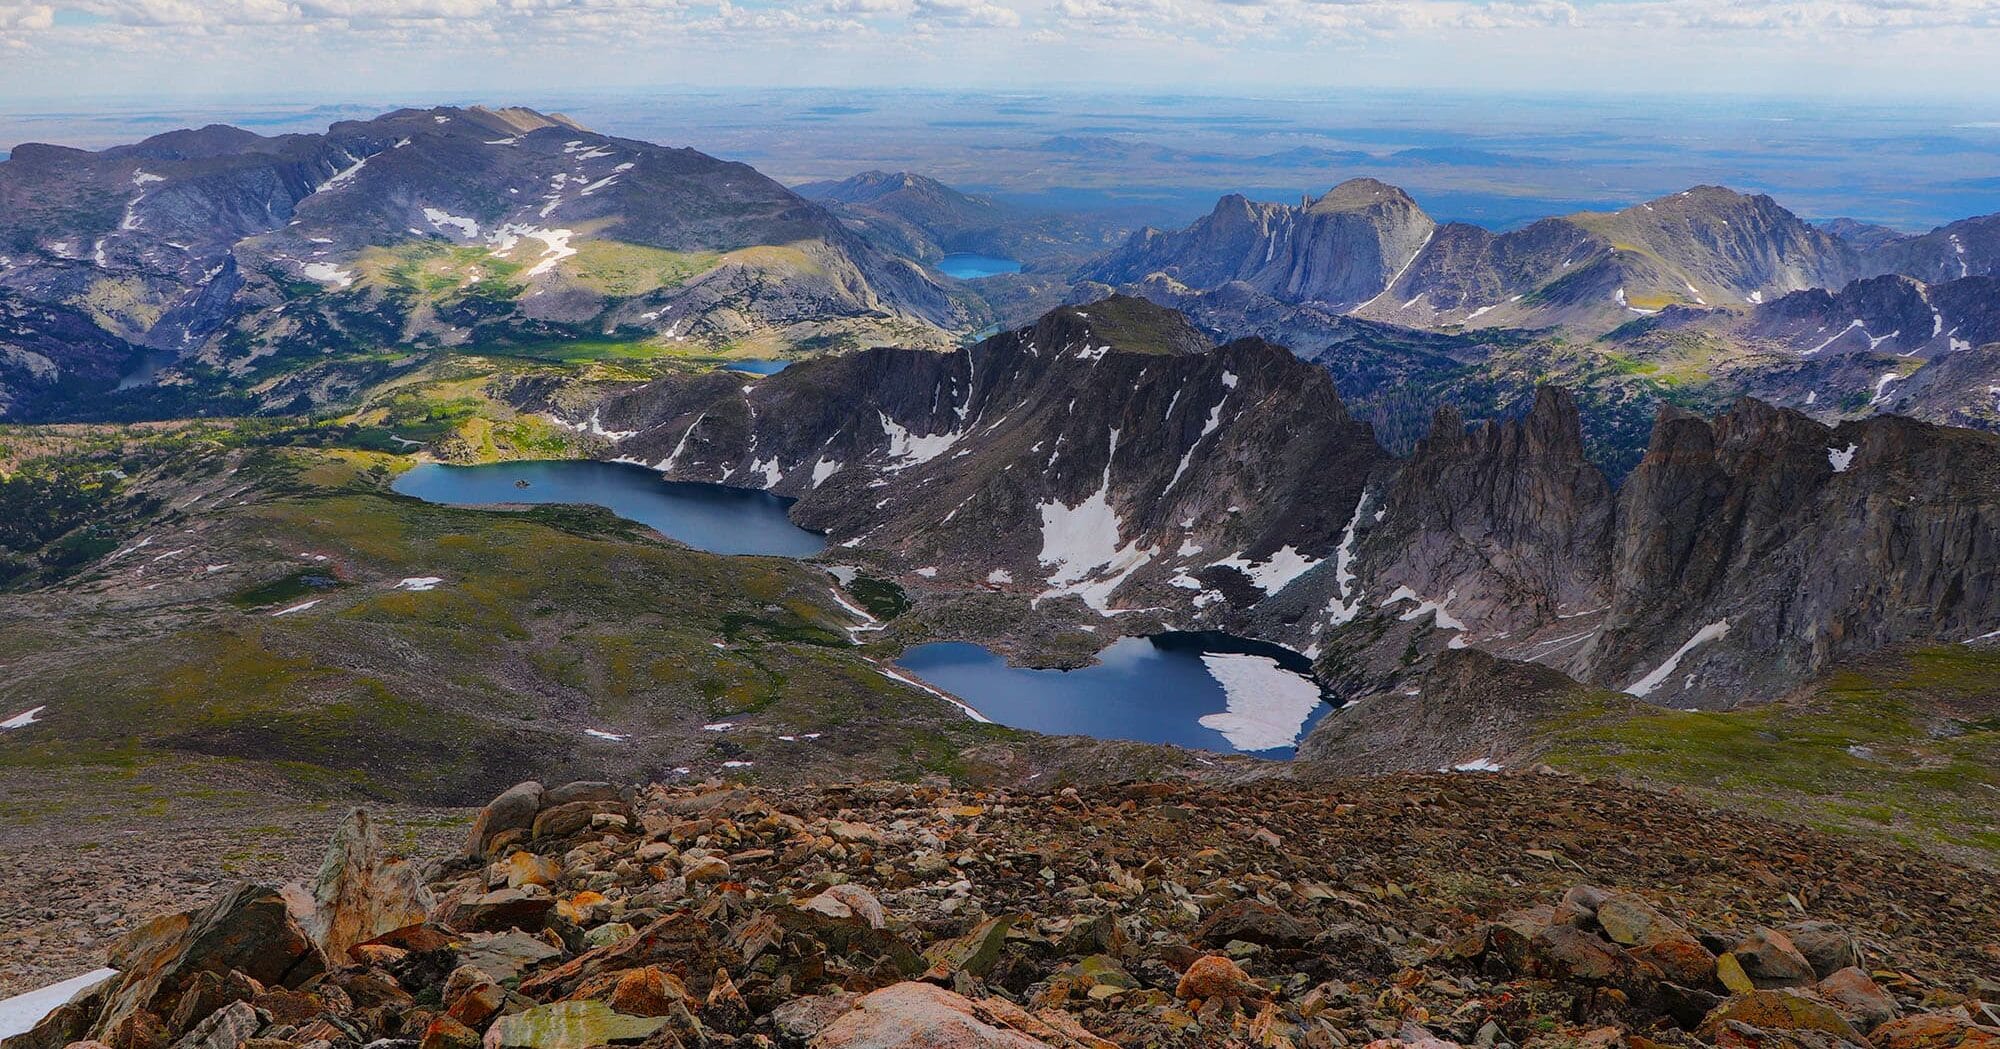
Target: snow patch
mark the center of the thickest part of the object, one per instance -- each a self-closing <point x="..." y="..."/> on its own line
<point x="824" y="469"/>
<point x="1267" y="704"/>
<point x="295" y="608"/>
<point x="328" y="273"/>
<point x="615" y="737"/>
<point x="419" y="583"/>
<point x="911" y="449"/>
<point x="1275" y="572"/>
<point x="947" y="697"/>
<point x="441" y="219"/>
<point x="999" y="577"/>
<point x="1645" y="685"/>
<point x="23" y="720"/>
<point x="1841" y="458"/>
<point x="19" y="1014"/>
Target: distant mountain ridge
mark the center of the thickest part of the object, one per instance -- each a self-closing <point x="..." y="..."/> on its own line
<point x="431" y="228"/>
<point x="922" y="218"/>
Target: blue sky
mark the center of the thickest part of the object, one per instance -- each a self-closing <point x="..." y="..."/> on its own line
<point x="1842" y="48"/>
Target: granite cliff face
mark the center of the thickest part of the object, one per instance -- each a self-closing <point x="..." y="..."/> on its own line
<point x="1780" y="544"/>
<point x="1745" y="554"/>
<point x="1509" y="513"/>
<point x="1341" y="250"/>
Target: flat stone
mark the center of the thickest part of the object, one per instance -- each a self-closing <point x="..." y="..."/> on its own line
<point x="570" y="1025"/>
<point x="918" y="1016"/>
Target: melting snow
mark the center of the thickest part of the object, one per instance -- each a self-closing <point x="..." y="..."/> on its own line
<point x="1478" y="765"/>
<point x="419" y="583"/>
<point x="1851" y="325"/>
<point x="342" y="176"/>
<point x="23" y="720"/>
<point x="1841" y="458"/>
<point x="327" y="273"/>
<point x="1645" y="685"/>
<point x="911" y="449"/>
<point x="1276" y="572"/>
<point x="720" y="726"/>
<point x="592" y="425"/>
<point x="947" y="697"/>
<point x="295" y="608"/>
<point x="441" y="219"/>
<point x="1434" y="609"/>
<point x="1268" y="705"/>
<point x="1083" y="540"/>
<point x="1882" y="386"/>
<point x="615" y="737"/>
<point x="21" y="1013"/>
<point x="1341" y="610"/>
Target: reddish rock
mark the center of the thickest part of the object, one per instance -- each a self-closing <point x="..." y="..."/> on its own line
<point x="1769" y="958"/>
<point x="1935" y="1031"/>
<point x="1214" y="976"/>
<point x="918" y="1016"/>
<point x="1857" y="995"/>
<point x="513" y="812"/>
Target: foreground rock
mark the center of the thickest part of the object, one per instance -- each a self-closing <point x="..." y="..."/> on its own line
<point x="1425" y="912"/>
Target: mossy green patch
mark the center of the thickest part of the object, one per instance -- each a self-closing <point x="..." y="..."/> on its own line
<point x="1902" y="745"/>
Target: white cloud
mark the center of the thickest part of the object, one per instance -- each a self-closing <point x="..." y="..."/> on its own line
<point x="421" y="44"/>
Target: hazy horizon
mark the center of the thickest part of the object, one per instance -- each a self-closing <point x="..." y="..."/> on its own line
<point x="1874" y="49"/>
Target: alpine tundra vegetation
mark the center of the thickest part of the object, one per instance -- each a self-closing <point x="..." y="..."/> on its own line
<point x="1312" y="565"/>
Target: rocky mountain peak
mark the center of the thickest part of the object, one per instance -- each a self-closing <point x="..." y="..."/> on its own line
<point x="518" y="120"/>
<point x="1362" y="194"/>
<point x="1123" y="324"/>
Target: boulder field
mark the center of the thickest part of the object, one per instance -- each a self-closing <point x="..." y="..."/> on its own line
<point x="1498" y="912"/>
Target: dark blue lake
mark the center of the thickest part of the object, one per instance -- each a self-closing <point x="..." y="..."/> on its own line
<point x="766" y="366"/>
<point x="708" y="517"/>
<point x="966" y="266"/>
<point x="1200" y="690"/>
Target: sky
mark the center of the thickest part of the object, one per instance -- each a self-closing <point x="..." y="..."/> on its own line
<point x="1882" y="49"/>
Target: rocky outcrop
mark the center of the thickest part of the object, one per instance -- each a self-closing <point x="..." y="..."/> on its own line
<point x="1790" y="543"/>
<point x="1510" y="514"/>
<point x="1745" y="554"/>
<point x="363" y="892"/>
<point x="1340" y="250"/>
<point x="1467" y="710"/>
<point x="1367" y="248"/>
<point x="1069" y="920"/>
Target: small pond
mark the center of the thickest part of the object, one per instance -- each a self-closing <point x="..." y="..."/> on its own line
<point x="1204" y="690"/>
<point x="966" y="266"/>
<point x="758" y="366"/>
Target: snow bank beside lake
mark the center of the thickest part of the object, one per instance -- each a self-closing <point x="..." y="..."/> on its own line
<point x="1268" y="705"/>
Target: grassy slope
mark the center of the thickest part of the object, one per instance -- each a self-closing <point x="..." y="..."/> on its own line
<point x="1906" y="745"/>
<point x="549" y="622"/>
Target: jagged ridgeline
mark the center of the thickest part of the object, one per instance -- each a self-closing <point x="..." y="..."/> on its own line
<point x="1110" y="455"/>
<point x="229" y="255"/>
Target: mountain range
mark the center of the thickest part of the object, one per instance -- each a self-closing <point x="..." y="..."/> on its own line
<point x="231" y="254"/>
<point x="1332" y="427"/>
